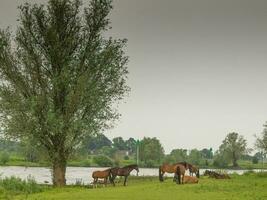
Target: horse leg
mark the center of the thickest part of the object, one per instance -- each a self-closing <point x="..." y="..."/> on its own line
<point x="125" y="180"/>
<point x="105" y="181"/>
<point x="162" y="179"/>
<point x="111" y="179"/>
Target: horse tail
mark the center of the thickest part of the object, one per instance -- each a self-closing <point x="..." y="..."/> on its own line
<point x="160" y="175"/>
<point x="178" y="172"/>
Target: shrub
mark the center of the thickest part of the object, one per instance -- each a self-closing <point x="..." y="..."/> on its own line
<point x="17" y="185"/>
<point x="126" y="157"/>
<point x="86" y="163"/>
<point x="4" y="158"/>
<point x="103" y="161"/>
<point x="220" y="161"/>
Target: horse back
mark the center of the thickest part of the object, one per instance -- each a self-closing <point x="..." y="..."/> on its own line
<point x="101" y="174"/>
<point x="190" y="179"/>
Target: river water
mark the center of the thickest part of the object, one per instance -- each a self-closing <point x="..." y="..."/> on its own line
<point x="73" y="174"/>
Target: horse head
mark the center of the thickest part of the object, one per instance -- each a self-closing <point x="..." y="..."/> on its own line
<point x="136" y="168"/>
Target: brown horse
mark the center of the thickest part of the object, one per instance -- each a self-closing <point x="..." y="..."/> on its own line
<point x="178" y="169"/>
<point x="101" y="175"/>
<point x="190" y="179"/>
<point x="193" y="170"/>
<point x="216" y="175"/>
<point x="124" y="171"/>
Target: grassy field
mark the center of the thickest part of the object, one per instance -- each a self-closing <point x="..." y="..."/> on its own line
<point x="250" y="186"/>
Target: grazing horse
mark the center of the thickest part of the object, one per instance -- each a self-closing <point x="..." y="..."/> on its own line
<point x="193" y="170"/>
<point x="178" y="169"/>
<point x="190" y="179"/>
<point x="101" y="174"/>
<point x="124" y="171"/>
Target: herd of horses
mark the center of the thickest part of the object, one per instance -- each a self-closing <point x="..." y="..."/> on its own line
<point x="178" y="169"/>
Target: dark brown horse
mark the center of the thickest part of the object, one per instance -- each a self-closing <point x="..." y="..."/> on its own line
<point x="178" y="169"/>
<point x="193" y="170"/>
<point x="124" y="171"/>
<point x="216" y="175"/>
<point x="105" y="174"/>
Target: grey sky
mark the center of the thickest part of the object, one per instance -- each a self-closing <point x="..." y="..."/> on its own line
<point x="197" y="68"/>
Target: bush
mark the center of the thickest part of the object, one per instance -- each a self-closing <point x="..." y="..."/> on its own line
<point x="103" y="161"/>
<point x="219" y="161"/>
<point x="17" y="185"/>
<point x="126" y="157"/>
<point x="86" y="163"/>
<point x="4" y="158"/>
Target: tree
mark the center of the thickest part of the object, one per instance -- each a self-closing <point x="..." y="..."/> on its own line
<point x="151" y="151"/>
<point x="131" y="145"/>
<point x="261" y="141"/>
<point x="119" y="143"/>
<point x="195" y="157"/>
<point x="61" y="78"/>
<point x="233" y="147"/>
<point x="207" y="153"/>
<point x="95" y="142"/>
<point x="176" y="155"/>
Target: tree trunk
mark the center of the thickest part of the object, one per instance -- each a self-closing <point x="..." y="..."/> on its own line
<point x="234" y="160"/>
<point x="59" y="172"/>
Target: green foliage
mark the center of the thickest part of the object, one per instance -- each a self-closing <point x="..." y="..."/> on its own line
<point x="103" y="161"/>
<point x="261" y="141"/>
<point x="61" y="79"/>
<point x="108" y="151"/>
<point x="220" y="160"/>
<point x="195" y="157"/>
<point x="126" y="157"/>
<point x="95" y="143"/>
<point x="17" y="185"/>
<point x="131" y="145"/>
<point x="255" y="160"/>
<point x="119" y="143"/>
<point x="4" y="158"/>
<point x="233" y="147"/>
<point x="207" y="153"/>
<point x="176" y="155"/>
<point x="151" y="150"/>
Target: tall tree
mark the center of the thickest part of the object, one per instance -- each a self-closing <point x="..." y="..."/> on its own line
<point x="151" y="150"/>
<point x="95" y="142"/>
<point x="119" y="143"/>
<point x="131" y="145"/>
<point x="233" y="147"/>
<point x="60" y="77"/>
<point x="261" y="141"/>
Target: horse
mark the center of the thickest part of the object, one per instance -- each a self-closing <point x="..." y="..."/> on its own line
<point x="101" y="174"/>
<point x="193" y="170"/>
<point x="216" y="175"/>
<point x="178" y="169"/>
<point x="190" y="179"/>
<point x="124" y="171"/>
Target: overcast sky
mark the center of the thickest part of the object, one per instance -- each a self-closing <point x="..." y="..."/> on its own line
<point x="198" y="68"/>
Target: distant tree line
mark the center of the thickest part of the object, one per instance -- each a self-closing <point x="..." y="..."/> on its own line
<point x="106" y="152"/>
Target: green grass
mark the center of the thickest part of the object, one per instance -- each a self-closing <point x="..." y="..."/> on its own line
<point x="247" y="187"/>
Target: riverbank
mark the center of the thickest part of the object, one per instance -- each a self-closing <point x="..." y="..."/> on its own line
<point x="250" y="186"/>
<point x="17" y="161"/>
